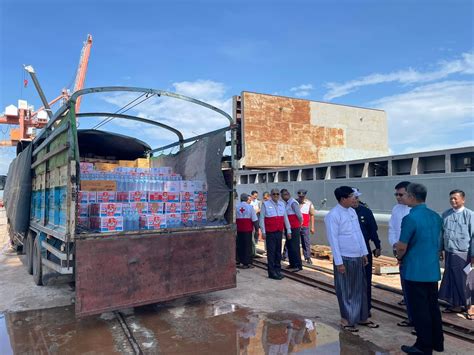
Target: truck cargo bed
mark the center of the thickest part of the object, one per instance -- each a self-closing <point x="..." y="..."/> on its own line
<point x="137" y="268"/>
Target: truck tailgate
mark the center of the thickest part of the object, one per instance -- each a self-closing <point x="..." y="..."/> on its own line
<point x="114" y="272"/>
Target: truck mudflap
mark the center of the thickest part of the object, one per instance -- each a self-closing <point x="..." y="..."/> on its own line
<point x="132" y="270"/>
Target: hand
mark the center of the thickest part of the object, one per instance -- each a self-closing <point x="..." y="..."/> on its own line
<point x="341" y="268"/>
<point x="288" y="237"/>
<point x="441" y="256"/>
<point x="264" y="236"/>
<point x="366" y="261"/>
<point x="377" y="253"/>
<point x="311" y="230"/>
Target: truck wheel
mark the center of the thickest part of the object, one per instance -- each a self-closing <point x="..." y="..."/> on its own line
<point x="37" y="266"/>
<point x="29" y="252"/>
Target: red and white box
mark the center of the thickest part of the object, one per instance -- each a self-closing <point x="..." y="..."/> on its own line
<point x="132" y="196"/>
<point x="92" y="196"/>
<point x="200" y="206"/>
<point x="111" y="209"/>
<point x="140" y="207"/>
<point x="164" y="196"/>
<point x="200" y="196"/>
<point x="200" y="217"/>
<point x="187" y="219"/>
<point x="152" y="221"/>
<point x="173" y="220"/>
<point x="171" y="186"/>
<point x="155" y="196"/>
<point x="156" y="207"/>
<point x="172" y="207"/>
<point x="83" y="210"/>
<point x="187" y="207"/>
<point x="186" y="196"/>
<point x="106" y="196"/>
<point x="107" y="224"/>
<point x="83" y="196"/>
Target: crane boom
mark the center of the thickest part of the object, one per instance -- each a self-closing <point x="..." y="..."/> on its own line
<point x="82" y="68"/>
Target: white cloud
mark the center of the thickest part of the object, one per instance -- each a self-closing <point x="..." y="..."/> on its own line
<point x="189" y="118"/>
<point x="7" y="154"/>
<point x="302" y="90"/>
<point x="434" y="115"/>
<point x="462" y="65"/>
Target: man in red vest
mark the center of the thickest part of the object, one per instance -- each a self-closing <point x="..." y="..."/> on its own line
<point x="308" y="212"/>
<point x="273" y="220"/>
<point x="247" y="221"/>
<point x="295" y="218"/>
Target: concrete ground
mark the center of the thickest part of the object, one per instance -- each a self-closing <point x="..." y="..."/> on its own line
<point x="256" y="315"/>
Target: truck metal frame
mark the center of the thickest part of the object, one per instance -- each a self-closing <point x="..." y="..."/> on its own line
<point x="127" y="268"/>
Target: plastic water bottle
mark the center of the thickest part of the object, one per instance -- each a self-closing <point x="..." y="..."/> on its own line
<point x="126" y="219"/>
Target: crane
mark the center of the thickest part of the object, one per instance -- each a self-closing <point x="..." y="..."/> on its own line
<point x="29" y="120"/>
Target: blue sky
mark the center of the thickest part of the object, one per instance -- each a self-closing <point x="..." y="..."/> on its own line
<point x="412" y="58"/>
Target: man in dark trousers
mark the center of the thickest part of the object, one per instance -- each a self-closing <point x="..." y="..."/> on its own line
<point x="273" y="220"/>
<point x="247" y="221"/>
<point x="295" y="218"/>
<point x="369" y="228"/>
<point x="418" y="254"/>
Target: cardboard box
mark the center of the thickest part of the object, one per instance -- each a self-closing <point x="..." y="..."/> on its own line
<point x="200" y="185"/>
<point x="187" y="219"/>
<point x="83" y="209"/>
<point x="106" y="224"/>
<point x="106" y="196"/>
<point x="142" y="163"/>
<point x="186" y="185"/>
<point x="173" y="220"/>
<point x="83" y="196"/>
<point x="127" y="163"/>
<point x="152" y="221"/>
<point x="200" y="206"/>
<point x="92" y="196"/>
<point x="113" y="209"/>
<point x="200" y="196"/>
<point x="186" y="196"/>
<point x="140" y="207"/>
<point x="171" y="186"/>
<point x="106" y="166"/>
<point x="83" y="222"/>
<point x="132" y="196"/>
<point x="172" y="207"/>
<point x="98" y="185"/>
<point x="187" y="207"/>
<point x="200" y="218"/>
<point x="163" y="196"/>
<point x="86" y="167"/>
<point x="156" y="207"/>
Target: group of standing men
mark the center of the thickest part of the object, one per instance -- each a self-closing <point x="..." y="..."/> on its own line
<point x="276" y="215"/>
<point x="420" y="239"/>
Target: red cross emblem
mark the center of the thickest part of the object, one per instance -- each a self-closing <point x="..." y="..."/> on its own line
<point x="242" y="210"/>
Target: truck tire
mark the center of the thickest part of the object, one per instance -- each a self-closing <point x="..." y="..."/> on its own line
<point x="37" y="265"/>
<point x="29" y="252"/>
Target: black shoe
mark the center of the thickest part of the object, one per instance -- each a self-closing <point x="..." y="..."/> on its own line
<point x="289" y="267"/>
<point x="411" y="349"/>
<point x="439" y="349"/>
<point x="275" y="277"/>
<point x="280" y="276"/>
<point x="283" y="258"/>
<point x="309" y="261"/>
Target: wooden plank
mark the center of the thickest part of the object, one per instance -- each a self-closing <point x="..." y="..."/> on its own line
<point x="63" y="128"/>
<point x="52" y="153"/>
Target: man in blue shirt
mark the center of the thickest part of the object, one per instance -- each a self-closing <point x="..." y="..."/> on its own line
<point x="418" y="254"/>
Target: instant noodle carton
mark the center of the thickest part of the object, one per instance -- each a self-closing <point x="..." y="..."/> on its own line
<point x="83" y="210"/>
<point x="140" y="207"/>
<point x="172" y="207"/>
<point x="200" y="206"/>
<point x="83" y="222"/>
<point x="106" y="196"/>
<point x="152" y="221"/>
<point x="156" y="207"/>
<point x="107" y="224"/>
<point x="113" y="209"/>
<point x="187" y="219"/>
<point x="164" y="196"/>
<point x="83" y="196"/>
<point x="186" y="196"/>
<point x="173" y="220"/>
<point x="92" y="196"/>
<point x="200" y="196"/>
<point x="132" y="196"/>
<point x="200" y="218"/>
<point x="187" y="207"/>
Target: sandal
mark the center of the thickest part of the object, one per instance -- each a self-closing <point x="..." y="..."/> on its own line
<point x="405" y="323"/>
<point x="469" y="316"/>
<point x="370" y="324"/>
<point x="349" y="328"/>
<point x="448" y="310"/>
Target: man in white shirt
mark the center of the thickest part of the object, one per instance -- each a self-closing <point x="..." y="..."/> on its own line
<point x="255" y="203"/>
<point x="399" y="211"/>
<point x="349" y="257"/>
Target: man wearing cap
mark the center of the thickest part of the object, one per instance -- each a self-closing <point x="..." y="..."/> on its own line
<point x="308" y="212"/>
<point x="369" y="228"/>
<point x="273" y="220"/>
<point x="247" y="221"/>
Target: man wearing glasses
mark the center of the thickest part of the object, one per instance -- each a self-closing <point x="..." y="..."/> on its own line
<point x="273" y="220"/>
<point x="399" y="211"/>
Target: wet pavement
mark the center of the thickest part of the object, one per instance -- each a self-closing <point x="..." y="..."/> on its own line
<point x="190" y="326"/>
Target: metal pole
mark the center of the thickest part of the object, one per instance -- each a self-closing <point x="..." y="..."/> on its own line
<point x="30" y="70"/>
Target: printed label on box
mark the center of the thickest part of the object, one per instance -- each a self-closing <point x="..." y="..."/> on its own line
<point x="200" y="185"/>
<point x="155" y="207"/>
<point x="173" y="220"/>
<point x="200" y="217"/>
<point x="106" y="209"/>
<point x="171" y="186"/>
<point x="200" y="196"/>
<point x="186" y="185"/>
<point x="140" y="207"/>
<point x="187" y="196"/>
<point x="187" y="207"/>
<point x="200" y="206"/>
<point x="106" y="196"/>
<point x="98" y="185"/>
<point x="92" y="196"/>
<point x="172" y="207"/>
<point x="187" y="219"/>
<point x="107" y="224"/>
<point x="83" y="196"/>
<point x="152" y="221"/>
<point x="132" y="196"/>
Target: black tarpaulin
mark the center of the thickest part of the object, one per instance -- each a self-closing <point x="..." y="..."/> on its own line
<point x="17" y="193"/>
<point x="99" y="143"/>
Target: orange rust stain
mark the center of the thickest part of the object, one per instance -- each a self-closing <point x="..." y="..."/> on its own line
<point x="278" y="132"/>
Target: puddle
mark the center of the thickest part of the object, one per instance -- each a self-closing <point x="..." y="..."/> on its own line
<point x="181" y="327"/>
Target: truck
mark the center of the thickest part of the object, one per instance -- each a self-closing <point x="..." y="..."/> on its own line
<point x="128" y="268"/>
